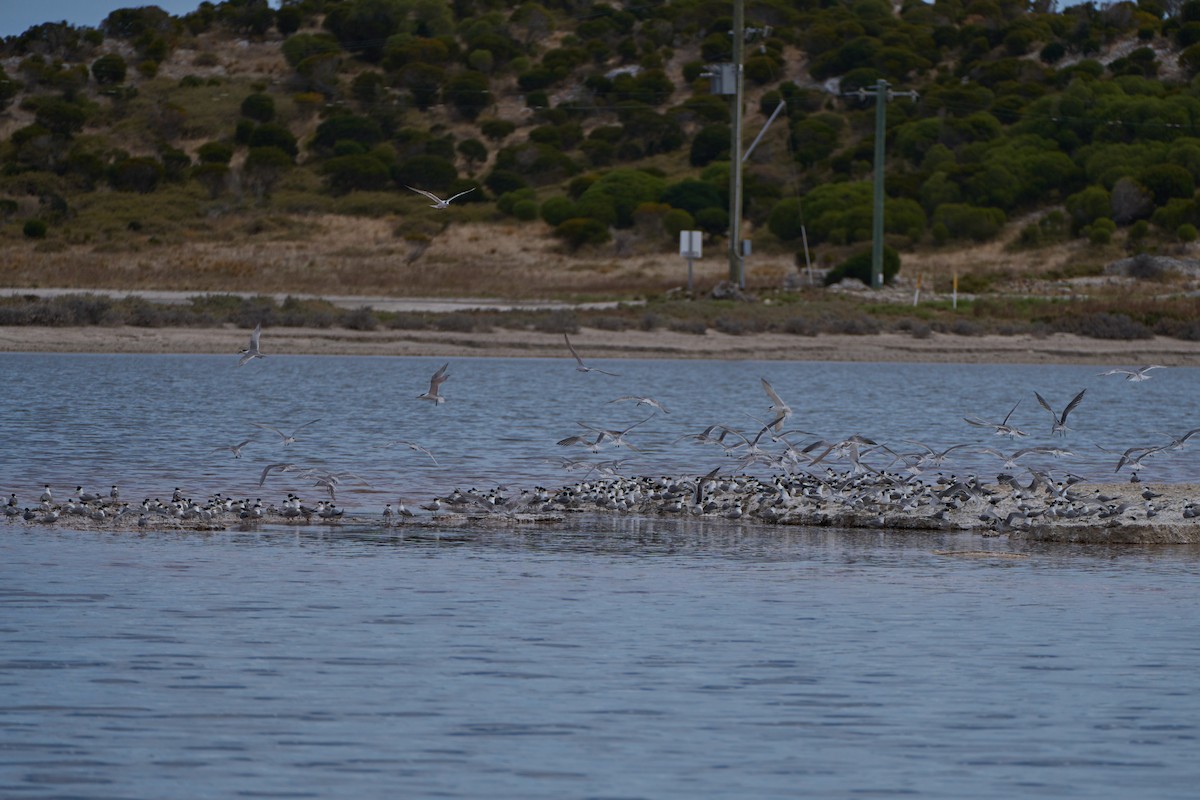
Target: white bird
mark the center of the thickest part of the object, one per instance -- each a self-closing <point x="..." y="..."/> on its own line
<point x="288" y="438"/>
<point x="435" y="382"/>
<point x="437" y="201"/>
<point x="236" y="449"/>
<point x="779" y="409"/>
<point x="1060" y="421"/>
<point x="1177" y="442"/>
<point x="1001" y="428"/>
<point x="643" y="401"/>
<point x="281" y="467"/>
<point x="414" y="446"/>
<point x="1138" y="374"/>
<point x="252" y="351"/>
<point x="579" y="365"/>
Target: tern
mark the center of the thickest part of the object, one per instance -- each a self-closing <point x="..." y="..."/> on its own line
<point x="643" y="401"/>
<point x="435" y="382"/>
<point x="1138" y="374"/>
<point x="579" y="365"/>
<point x="1060" y="420"/>
<point x="236" y="449"/>
<point x="414" y="446"/>
<point x="779" y="409"/>
<point x="437" y="201"/>
<point x="287" y="438"/>
<point x="1177" y="442"/>
<point x="281" y="467"/>
<point x="1010" y="460"/>
<point x="1002" y="428"/>
<point x="252" y="351"/>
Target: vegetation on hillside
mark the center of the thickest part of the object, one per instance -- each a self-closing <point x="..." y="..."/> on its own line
<point x="597" y="118"/>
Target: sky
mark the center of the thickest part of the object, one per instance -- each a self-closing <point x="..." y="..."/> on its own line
<point x="18" y="16"/>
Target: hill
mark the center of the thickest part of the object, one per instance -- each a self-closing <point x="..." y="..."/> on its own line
<point x="245" y="147"/>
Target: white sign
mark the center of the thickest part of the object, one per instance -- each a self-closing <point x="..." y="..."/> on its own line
<point x="690" y="244"/>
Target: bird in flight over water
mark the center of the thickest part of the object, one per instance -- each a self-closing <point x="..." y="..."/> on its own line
<point x="437" y="201"/>
<point x="1138" y="374"/>
<point x="252" y="351"/>
<point x="579" y="365"/>
<point x="1060" y="420"/>
<point x="435" y="383"/>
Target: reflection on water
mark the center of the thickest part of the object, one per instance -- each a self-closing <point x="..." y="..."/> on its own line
<point x="617" y="658"/>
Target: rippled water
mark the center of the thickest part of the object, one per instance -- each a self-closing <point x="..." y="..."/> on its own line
<point x="151" y="423"/>
<point x="602" y="658"/>
<point x="621" y="658"/>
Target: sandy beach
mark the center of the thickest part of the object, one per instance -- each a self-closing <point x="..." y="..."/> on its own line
<point x="595" y="343"/>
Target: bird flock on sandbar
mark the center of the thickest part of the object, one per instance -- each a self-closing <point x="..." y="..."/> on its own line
<point x="771" y="471"/>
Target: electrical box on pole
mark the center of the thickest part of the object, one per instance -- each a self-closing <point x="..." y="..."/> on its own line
<point x="882" y="95"/>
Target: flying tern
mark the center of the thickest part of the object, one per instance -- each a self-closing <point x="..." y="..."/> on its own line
<point x="437" y="201"/>
<point x="579" y="365"/>
<point x="435" y="383"/>
<point x="252" y="351"/>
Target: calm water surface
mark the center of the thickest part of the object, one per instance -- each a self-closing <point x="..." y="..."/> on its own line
<point x="604" y="658"/>
<point x="152" y="423"/>
<point x="620" y="658"/>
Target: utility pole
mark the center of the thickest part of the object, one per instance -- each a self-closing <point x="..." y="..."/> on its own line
<point x="882" y="95"/>
<point x="737" y="272"/>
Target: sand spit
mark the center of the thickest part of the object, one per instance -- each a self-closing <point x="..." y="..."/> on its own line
<point x="1082" y="513"/>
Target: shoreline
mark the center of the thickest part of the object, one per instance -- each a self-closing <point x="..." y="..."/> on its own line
<point x="595" y="343"/>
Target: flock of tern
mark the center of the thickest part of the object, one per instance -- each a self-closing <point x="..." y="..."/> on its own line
<point x="876" y="478"/>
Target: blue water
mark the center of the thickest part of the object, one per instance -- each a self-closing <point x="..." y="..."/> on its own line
<point x="152" y="423"/>
<point x="600" y="658"/>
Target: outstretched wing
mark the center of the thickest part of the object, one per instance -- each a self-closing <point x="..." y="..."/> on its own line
<point x="1042" y="402"/>
<point x="1071" y="405"/>
<point x="430" y="195"/>
<point x="578" y="360"/>
<point x="438" y="378"/>
<point x="1010" y="413"/>
<point x="772" y="394"/>
<point x="460" y="194"/>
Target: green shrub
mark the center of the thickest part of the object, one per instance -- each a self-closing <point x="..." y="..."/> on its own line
<point x="580" y="231"/>
<point x="507" y="202"/>
<point x="34" y="229"/>
<point x="525" y="210"/>
<point x="258" y="107"/>
<point x="109" y="69"/>
<point x="557" y="210"/>
<point x="962" y="221"/>
<point x="859" y="266"/>
<point x="676" y="220"/>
